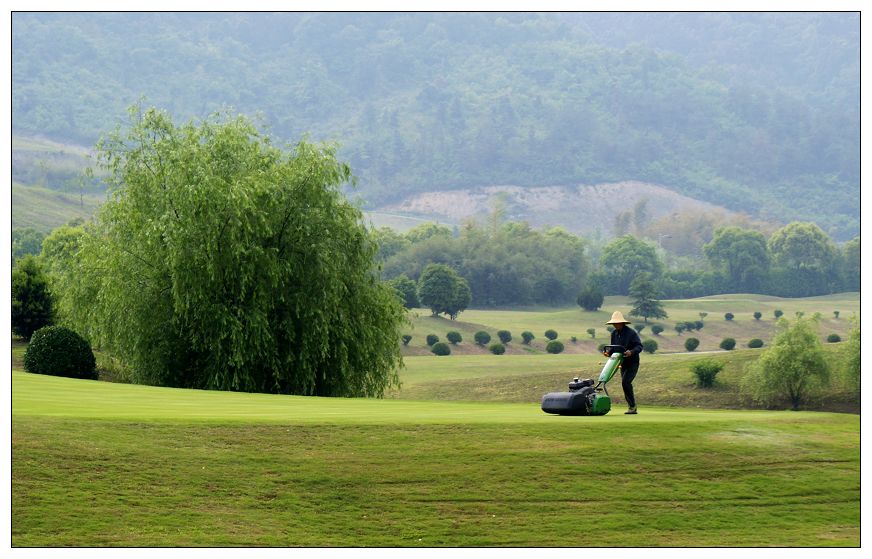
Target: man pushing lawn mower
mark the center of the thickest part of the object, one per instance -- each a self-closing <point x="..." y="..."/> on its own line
<point x="626" y="337"/>
<point x="588" y="398"/>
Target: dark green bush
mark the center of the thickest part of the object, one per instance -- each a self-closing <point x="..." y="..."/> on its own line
<point x="656" y="329"/>
<point x="649" y="346"/>
<point x="31" y="298"/>
<point x="590" y="298"/>
<point x="505" y="336"/>
<point x="640" y="328"/>
<point x="573" y="339"/>
<point x="690" y="344"/>
<point x="482" y="337"/>
<point x="699" y="324"/>
<point x="527" y="336"/>
<point x="454" y="337"/>
<point x="834" y="338"/>
<point x="551" y="334"/>
<point x="778" y="313"/>
<point x="729" y="316"/>
<point x="728" y="343"/>
<point x="592" y="332"/>
<point x="441" y="348"/>
<point x="706" y="371"/>
<point x="406" y="339"/>
<point x="756" y="342"/>
<point x="758" y="315"/>
<point x="55" y="350"/>
<point x="497" y="349"/>
<point x="554" y="346"/>
<point x="432" y="339"/>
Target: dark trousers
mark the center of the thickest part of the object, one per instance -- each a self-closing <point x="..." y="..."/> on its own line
<point x="628" y="373"/>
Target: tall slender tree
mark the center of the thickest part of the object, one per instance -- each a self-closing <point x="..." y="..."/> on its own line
<point x="644" y="293"/>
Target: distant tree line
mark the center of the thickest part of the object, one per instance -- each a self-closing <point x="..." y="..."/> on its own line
<point x="511" y="263"/>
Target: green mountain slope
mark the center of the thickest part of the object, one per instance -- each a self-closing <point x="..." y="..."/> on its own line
<point x="424" y="102"/>
<point x="44" y="209"/>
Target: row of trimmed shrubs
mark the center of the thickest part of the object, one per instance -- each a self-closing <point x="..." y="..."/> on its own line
<point x="483" y="338"/>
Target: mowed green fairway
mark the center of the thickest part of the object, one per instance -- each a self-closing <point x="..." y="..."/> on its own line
<point x="98" y="464"/>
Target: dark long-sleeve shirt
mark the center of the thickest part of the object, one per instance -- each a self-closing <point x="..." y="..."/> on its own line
<point x="628" y="338"/>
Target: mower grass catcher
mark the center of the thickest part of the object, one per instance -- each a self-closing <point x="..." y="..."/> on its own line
<point x="585" y="398"/>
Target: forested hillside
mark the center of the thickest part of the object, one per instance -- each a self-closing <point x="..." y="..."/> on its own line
<point x="755" y="112"/>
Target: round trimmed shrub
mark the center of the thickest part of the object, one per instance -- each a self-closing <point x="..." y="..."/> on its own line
<point x="527" y="336"/>
<point x="406" y="339"/>
<point x="649" y="346"/>
<point x="755" y="343"/>
<point x="441" y="348"/>
<point x="778" y="313"/>
<point x="592" y="332"/>
<point x="699" y="324"/>
<point x="551" y="334"/>
<point x="834" y="338"/>
<point x="729" y="316"/>
<point x="705" y="372"/>
<point x="656" y="329"/>
<point x="432" y="339"/>
<point x="728" y="343"/>
<point x="690" y="344"/>
<point x="505" y="336"/>
<point x="758" y="315"/>
<point x="58" y="351"/>
<point x="497" y="349"/>
<point x="640" y="328"/>
<point x="573" y="339"/>
<point x="454" y="337"/>
<point x="554" y="346"/>
<point x="482" y="337"/>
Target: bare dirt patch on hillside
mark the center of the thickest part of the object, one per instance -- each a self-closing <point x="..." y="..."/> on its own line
<point x="581" y="209"/>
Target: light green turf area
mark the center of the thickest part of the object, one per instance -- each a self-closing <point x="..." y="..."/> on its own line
<point x="48" y="396"/>
<point x="574" y="321"/>
<point x="97" y="464"/>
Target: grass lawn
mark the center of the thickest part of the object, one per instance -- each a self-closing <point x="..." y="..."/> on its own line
<point x="97" y="464"/>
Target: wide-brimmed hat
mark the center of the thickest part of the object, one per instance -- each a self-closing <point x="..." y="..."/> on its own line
<point x="618" y="318"/>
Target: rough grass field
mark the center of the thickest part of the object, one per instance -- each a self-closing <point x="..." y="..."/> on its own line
<point x="574" y="321"/>
<point x="663" y="379"/>
<point x="96" y="464"/>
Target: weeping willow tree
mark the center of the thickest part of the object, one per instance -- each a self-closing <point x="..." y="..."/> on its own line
<point x="220" y="261"/>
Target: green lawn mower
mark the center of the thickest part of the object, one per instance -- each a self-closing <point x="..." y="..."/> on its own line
<point x="585" y="398"/>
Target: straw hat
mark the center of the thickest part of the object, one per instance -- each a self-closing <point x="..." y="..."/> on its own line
<point x="618" y="318"/>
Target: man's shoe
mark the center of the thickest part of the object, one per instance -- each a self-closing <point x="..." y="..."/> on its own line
<point x="631" y="411"/>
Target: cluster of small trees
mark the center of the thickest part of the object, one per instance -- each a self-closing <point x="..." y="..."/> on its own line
<point x="503" y="263"/>
<point x="439" y="288"/>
